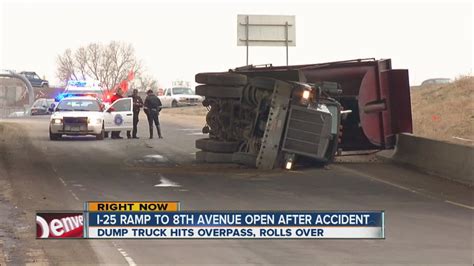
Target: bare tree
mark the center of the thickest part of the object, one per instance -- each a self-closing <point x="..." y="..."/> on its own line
<point x="94" y="52"/>
<point x="145" y="82"/>
<point x="81" y="58"/>
<point x="66" y="66"/>
<point x="109" y="64"/>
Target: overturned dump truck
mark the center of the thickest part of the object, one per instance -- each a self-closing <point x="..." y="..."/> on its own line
<point x="269" y="117"/>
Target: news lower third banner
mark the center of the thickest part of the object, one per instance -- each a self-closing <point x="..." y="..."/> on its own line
<point x="164" y="220"/>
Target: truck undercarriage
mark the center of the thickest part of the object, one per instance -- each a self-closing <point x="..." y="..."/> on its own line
<point x="268" y="116"/>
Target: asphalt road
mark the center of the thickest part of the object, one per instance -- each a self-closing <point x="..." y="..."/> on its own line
<point x="428" y="220"/>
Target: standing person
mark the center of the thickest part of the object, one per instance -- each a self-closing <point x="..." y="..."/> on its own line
<point x="152" y="108"/>
<point x="118" y="94"/>
<point x="137" y="104"/>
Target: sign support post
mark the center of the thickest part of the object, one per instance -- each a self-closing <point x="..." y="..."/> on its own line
<point x="286" y="40"/>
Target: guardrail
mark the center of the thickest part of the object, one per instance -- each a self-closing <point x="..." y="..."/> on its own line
<point x="31" y="92"/>
<point x="449" y="160"/>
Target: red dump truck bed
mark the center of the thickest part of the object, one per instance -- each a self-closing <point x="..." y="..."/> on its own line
<point x="378" y="96"/>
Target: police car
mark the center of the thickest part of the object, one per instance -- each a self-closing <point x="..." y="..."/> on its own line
<point x="86" y="115"/>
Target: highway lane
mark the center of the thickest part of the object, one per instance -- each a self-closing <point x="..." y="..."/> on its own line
<point x="421" y="226"/>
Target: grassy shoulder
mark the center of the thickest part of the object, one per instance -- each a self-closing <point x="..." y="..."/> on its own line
<point x="197" y="110"/>
<point x="445" y="112"/>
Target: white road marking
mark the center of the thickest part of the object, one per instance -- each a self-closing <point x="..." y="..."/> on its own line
<point x="74" y="195"/>
<point x="405" y="188"/>
<point x="125" y="255"/>
<point x="383" y="181"/>
<point x="164" y="182"/>
<point x="196" y="133"/>
<point x="463" y="139"/>
<point x="460" y="204"/>
<point x="129" y="260"/>
<point x="62" y="181"/>
<point x="155" y="158"/>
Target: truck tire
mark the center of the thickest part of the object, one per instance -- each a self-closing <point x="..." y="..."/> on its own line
<point x="201" y="156"/>
<point x="174" y="104"/>
<point x="222" y="78"/>
<point x="219" y="91"/>
<point x="245" y="159"/>
<point x="213" y="157"/>
<point x="263" y="83"/>
<point x="212" y="145"/>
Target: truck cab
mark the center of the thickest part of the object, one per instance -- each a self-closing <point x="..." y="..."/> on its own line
<point x="377" y="95"/>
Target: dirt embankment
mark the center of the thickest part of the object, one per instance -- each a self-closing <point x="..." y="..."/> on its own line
<point x="445" y="112"/>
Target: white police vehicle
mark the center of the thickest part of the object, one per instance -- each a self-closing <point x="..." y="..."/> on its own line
<point x="86" y="115"/>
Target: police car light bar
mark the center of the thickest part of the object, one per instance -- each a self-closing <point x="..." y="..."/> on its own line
<point x="66" y="95"/>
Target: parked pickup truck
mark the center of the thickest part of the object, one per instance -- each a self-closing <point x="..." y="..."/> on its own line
<point x="179" y="96"/>
<point x="35" y="80"/>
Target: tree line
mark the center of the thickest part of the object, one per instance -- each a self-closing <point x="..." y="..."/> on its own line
<point x="108" y="63"/>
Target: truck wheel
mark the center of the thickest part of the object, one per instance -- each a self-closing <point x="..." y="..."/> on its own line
<point x="263" y="83"/>
<point x="174" y="103"/>
<point x="219" y="91"/>
<point x="212" y="145"/>
<point x="245" y="158"/>
<point x="45" y="86"/>
<point x="106" y="134"/>
<point x="213" y="157"/>
<point x="222" y="78"/>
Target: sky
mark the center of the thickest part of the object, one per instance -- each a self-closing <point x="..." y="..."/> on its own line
<point x="177" y="39"/>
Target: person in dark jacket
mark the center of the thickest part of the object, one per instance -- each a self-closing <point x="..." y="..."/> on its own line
<point x="152" y="108"/>
<point x="118" y="94"/>
<point x="137" y="104"/>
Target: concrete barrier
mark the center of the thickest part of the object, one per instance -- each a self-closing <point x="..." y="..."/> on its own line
<point x="452" y="161"/>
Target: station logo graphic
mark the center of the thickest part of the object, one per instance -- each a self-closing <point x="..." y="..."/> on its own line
<point x="60" y="225"/>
